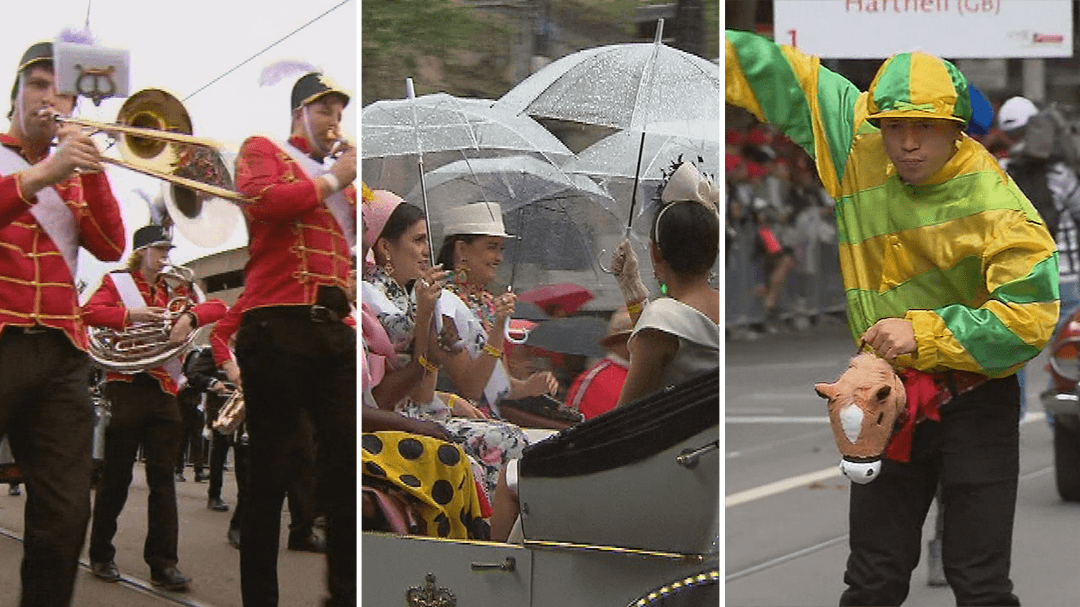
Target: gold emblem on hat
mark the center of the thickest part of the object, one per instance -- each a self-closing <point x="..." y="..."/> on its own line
<point x="328" y="83"/>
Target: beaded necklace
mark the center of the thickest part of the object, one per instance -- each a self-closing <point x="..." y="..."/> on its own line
<point x="481" y="302"/>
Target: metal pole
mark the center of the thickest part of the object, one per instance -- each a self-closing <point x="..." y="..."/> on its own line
<point x="410" y="93"/>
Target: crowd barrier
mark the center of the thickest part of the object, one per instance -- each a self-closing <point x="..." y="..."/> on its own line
<point x="814" y="287"/>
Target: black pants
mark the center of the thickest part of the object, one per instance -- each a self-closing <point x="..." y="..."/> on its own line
<point x="241" y="459"/>
<point x="45" y="410"/>
<point x="291" y="363"/>
<point x="974" y="453"/>
<point x="300" y="494"/>
<point x="191" y="425"/>
<point x="142" y="414"/>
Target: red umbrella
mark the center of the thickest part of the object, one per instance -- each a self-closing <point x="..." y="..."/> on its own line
<point x="557" y="300"/>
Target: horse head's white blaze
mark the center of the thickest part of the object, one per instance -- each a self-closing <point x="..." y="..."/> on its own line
<point x="864" y="406"/>
<point x="851" y="418"/>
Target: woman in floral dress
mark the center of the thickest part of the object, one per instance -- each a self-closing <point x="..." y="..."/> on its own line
<point x="396" y="267"/>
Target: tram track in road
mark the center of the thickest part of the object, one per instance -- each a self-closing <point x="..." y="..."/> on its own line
<point x="129" y="582"/>
<point x="808" y="550"/>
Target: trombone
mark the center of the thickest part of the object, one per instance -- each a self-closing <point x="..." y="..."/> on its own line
<point x="149" y="121"/>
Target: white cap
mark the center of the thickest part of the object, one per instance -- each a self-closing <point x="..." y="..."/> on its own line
<point x="1015" y="113"/>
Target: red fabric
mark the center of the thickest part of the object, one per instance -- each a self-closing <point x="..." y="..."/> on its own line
<point x="224" y="330"/>
<point x="294" y="242"/>
<point x="597" y="389"/>
<point x="926" y="392"/>
<point x="105" y="308"/>
<point x="36" y="286"/>
<point x="567" y="296"/>
<point x="732" y="161"/>
<point x="772" y="245"/>
<point x="756" y="169"/>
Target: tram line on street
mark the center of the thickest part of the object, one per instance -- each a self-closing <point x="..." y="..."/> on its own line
<point x="796" y="554"/>
<point x="133" y="584"/>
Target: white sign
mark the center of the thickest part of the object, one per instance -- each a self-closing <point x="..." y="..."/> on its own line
<point x="876" y="29"/>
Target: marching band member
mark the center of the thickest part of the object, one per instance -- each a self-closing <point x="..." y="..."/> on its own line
<point x="295" y="351"/>
<point x="50" y="205"/>
<point x="301" y="488"/>
<point x="144" y="410"/>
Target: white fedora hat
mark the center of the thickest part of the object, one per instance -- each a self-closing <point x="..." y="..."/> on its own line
<point x="481" y="218"/>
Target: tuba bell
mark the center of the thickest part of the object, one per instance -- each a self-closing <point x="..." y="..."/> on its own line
<point x="145" y="345"/>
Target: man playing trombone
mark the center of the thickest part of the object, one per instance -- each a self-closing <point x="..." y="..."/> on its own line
<point x="294" y="349"/>
<point x="144" y="407"/>
<point x="50" y="205"/>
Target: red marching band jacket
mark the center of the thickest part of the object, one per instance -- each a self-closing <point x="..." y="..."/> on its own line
<point x="105" y="308"/>
<point x="295" y="243"/>
<point x="224" y="330"/>
<point x="36" y="285"/>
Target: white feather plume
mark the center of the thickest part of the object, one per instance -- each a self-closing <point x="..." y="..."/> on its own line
<point x="159" y="214"/>
<point x="275" y="72"/>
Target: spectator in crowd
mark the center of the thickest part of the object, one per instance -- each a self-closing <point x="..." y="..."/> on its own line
<point x="596" y="390"/>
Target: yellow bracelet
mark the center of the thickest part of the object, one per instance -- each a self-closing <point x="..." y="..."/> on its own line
<point x="492" y="351"/>
<point x="426" y="365"/>
<point x="634" y="309"/>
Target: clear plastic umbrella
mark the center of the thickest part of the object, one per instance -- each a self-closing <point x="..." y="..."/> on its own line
<point x="613" y="161"/>
<point x="625" y="86"/>
<point x="446" y="129"/>
<point x="561" y="220"/>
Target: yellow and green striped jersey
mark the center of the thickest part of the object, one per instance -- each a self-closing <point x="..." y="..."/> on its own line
<point x="965" y="257"/>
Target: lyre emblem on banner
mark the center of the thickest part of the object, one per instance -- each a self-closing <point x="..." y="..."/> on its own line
<point x="94" y="76"/>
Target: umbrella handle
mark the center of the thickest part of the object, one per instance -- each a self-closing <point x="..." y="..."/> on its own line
<point x="506" y="334"/>
<point x="600" y="262"/>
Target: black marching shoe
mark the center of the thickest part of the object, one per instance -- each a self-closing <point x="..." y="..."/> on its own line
<point x="201" y="477"/>
<point x="169" y="578"/>
<point x="217" y="504"/>
<point x="307" y="542"/>
<point x="105" y="571"/>
<point x="180" y="477"/>
<point x="234" y="537"/>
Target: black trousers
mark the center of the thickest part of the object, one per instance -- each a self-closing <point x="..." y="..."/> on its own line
<point x="291" y="363"/>
<point x="219" y="446"/>
<point x="46" y="412"/>
<point x="142" y="414"/>
<point x="191" y="425"/>
<point x="300" y="494"/>
<point x="974" y="453"/>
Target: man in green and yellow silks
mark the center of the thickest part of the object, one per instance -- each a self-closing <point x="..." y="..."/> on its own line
<point x="949" y="273"/>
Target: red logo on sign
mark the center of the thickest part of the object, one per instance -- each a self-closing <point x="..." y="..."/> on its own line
<point x="1048" y="38"/>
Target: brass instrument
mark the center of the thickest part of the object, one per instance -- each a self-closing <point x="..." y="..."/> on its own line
<point x="340" y="145"/>
<point x="155" y="140"/>
<point x="145" y="345"/>
<point x="232" y="413"/>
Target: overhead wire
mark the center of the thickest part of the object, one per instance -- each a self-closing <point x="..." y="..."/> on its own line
<point x="272" y="45"/>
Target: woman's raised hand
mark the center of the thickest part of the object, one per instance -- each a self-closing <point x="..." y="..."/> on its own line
<point x="428" y="288"/>
<point x="504" y="307"/>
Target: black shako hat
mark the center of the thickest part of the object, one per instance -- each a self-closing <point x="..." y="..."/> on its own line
<point x="151" y="236"/>
<point x="312" y="86"/>
<point x="37" y="53"/>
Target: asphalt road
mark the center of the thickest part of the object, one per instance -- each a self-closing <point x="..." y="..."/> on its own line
<point x="786" y="502"/>
<point x="205" y="555"/>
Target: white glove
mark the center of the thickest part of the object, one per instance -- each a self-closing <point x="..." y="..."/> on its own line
<point x="624" y="265"/>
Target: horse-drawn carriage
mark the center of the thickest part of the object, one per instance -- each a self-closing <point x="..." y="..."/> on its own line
<point x="621" y="510"/>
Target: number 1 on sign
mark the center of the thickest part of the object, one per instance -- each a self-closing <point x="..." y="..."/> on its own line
<point x="792" y="34"/>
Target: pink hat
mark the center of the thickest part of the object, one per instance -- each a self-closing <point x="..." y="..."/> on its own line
<point x="376" y="211"/>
